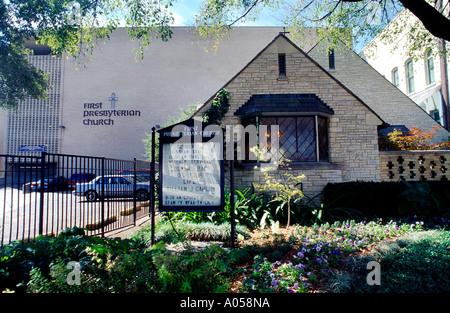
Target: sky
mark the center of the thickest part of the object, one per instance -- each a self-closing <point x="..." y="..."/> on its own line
<point x="184" y="14"/>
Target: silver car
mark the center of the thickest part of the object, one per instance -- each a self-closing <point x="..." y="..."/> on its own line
<point x="115" y="186"/>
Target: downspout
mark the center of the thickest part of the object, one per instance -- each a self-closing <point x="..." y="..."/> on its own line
<point x="444" y="83"/>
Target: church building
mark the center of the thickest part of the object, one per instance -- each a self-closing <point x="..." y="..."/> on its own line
<point x="329" y="103"/>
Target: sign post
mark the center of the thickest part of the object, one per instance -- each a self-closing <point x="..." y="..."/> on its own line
<point x="191" y="167"/>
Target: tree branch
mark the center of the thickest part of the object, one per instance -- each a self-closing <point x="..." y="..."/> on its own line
<point x="433" y="20"/>
<point x="436" y="23"/>
<point x="254" y="4"/>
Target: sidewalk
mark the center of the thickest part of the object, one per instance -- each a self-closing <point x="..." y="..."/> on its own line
<point x="125" y="232"/>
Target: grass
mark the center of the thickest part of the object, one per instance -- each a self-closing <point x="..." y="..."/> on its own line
<point x="419" y="264"/>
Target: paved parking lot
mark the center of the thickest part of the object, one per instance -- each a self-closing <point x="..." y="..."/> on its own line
<point x="20" y="213"/>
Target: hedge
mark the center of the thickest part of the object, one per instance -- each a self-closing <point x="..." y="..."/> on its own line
<point x="389" y="199"/>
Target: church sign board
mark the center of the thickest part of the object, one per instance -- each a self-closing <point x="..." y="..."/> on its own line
<point x="191" y="167"/>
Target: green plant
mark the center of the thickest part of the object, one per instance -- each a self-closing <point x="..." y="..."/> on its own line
<point x="192" y="271"/>
<point x="420" y="200"/>
<point x="367" y="200"/>
<point x="219" y="107"/>
<point x="133" y="271"/>
<point x="19" y="259"/>
<point x="422" y="265"/>
<point x="181" y="231"/>
<point x="285" y="186"/>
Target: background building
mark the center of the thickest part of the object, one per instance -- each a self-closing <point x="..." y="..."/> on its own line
<point x="423" y="76"/>
<point x="106" y="105"/>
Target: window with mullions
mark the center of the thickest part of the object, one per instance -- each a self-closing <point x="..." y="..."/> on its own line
<point x="301" y="138"/>
<point x="429" y="64"/>
<point x="410" y="76"/>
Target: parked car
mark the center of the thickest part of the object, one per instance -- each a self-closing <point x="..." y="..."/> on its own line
<point x="80" y="178"/>
<point x="115" y="186"/>
<point x="57" y="183"/>
<point x="142" y="174"/>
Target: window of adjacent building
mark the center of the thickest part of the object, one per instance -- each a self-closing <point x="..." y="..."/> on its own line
<point x="395" y="79"/>
<point x="435" y="114"/>
<point x="409" y="67"/>
<point x="301" y="138"/>
<point x="429" y="65"/>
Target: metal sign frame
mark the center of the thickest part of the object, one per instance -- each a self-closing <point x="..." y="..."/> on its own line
<point x="191" y="132"/>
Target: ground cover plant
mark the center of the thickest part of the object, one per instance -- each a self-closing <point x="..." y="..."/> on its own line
<point x="316" y="254"/>
<point x="316" y="258"/>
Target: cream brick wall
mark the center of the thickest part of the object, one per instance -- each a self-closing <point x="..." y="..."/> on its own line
<point x="352" y="129"/>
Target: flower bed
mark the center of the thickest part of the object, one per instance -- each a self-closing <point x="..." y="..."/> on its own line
<point x="314" y="252"/>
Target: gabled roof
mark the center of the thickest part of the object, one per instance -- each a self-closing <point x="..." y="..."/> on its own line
<point x="292" y="103"/>
<point x="281" y="35"/>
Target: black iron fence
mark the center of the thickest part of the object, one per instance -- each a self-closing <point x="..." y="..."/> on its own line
<point x="49" y="193"/>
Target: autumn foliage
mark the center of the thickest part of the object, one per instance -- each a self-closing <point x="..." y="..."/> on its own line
<point x="414" y="139"/>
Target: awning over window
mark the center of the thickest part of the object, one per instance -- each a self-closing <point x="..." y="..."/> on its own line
<point x="284" y="104"/>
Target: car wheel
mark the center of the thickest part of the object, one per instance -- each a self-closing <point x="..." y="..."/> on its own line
<point x="91" y="195"/>
<point x="142" y="195"/>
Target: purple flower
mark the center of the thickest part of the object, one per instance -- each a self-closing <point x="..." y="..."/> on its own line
<point x="290" y="291"/>
<point x="296" y="286"/>
<point x="300" y="255"/>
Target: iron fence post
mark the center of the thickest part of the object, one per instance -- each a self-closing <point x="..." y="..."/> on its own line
<point x="232" y="213"/>
<point x="152" y="186"/>
<point x="41" y="192"/>
<point x="103" y="197"/>
<point x="134" y="192"/>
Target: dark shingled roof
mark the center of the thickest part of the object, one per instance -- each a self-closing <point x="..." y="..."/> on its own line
<point x="385" y="131"/>
<point x="283" y="103"/>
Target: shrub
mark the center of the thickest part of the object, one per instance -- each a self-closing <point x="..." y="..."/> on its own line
<point x="389" y="199"/>
<point x="45" y="255"/>
<point x="420" y="266"/>
<point x="192" y="271"/>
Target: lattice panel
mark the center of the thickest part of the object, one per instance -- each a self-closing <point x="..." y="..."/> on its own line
<point x="415" y="166"/>
<point x="36" y="122"/>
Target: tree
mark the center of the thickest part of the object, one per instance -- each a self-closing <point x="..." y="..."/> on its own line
<point x="68" y="26"/>
<point x="74" y="26"/>
<point x="333" y="18"/>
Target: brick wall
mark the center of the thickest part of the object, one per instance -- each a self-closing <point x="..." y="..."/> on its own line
<point x="353" y="143"/>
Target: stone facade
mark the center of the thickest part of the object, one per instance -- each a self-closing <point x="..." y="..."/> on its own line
<point x="352" y="131"/>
